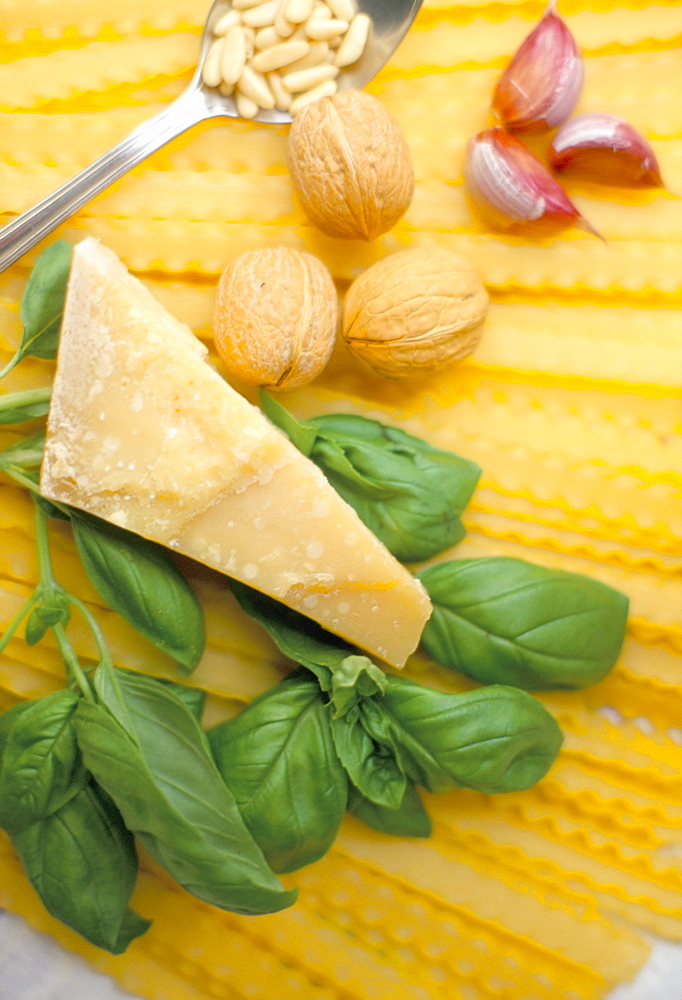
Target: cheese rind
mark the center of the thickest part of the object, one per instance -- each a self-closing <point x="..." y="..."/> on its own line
<point x="143" y="432"/>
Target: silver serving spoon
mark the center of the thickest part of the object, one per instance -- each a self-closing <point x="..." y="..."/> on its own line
<point x="391" y="20"/>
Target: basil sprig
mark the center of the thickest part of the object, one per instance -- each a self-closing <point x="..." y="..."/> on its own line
<point x="392" y="734"/>
<point x="408" y="493"/>
<point x="504" y="620"/>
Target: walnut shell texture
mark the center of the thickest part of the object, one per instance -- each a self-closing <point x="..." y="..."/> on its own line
<point x="414" y="312"/>
<point x="350" y="165"/>
<point x="275" y="317"/>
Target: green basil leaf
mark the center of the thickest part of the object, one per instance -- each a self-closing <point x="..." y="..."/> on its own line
<point x="408" y="493"/>
<point x="147" y="751"/>
<point x="371" y="767"/>
<point x="41" y="767"/>
<point x="507" y="621"/>
<point x="355" y="678"/>
<point x="16" y="407"/>
<point x="42" y="304"/>
<point x="277" y="757"/>
<point x="299" y="434"/>
<point x="44" y="617"/>
<point x="82" y="862"/>
<point x="493" y="739"/>
<point x="139" y="580"/>
<point x="296" y="636"/>
<point x="410" y="819"/>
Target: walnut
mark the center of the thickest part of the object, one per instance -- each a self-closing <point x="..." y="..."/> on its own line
<point x="414" y="312"/>
<point x="350" y="165"/>
<point x="275" y="317"/>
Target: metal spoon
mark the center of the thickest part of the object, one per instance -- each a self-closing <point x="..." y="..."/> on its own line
<point x="391" y="20"/>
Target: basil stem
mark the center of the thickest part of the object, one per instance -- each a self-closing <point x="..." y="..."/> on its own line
<point x="408" y="493"/>
<point x="507" y="621"/>
<point x="16" y="407"/>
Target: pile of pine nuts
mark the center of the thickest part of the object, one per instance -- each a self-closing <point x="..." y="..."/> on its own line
<point x="283" y="53"/>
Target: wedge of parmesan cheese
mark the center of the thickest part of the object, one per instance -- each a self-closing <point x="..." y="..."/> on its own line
<point x="143" y="432"/>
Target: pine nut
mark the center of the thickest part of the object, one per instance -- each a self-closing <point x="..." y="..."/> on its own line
<point x="354" y="41"/>
<point x="306" y="79"/>
<point x="325" y="89"/>
<point x="321" y="13"/>
<point x="316" y="56"/>
<point x="246" y="4"/>
<point x="279" y="56"/>
<point x="245" y="106"/>
<point x="281" y="94"/>
<point x="227" y="21"/>
<point x="261" y="16"/>
<point x="343" y="9"/>
<point x="211" y="74"/>
<point x="283" y="27"/>
<point x="226" y="89"/>
<point x="321" y="30"/>
<point x="298" y="11"/>
<point x="233" y="56"/>
<point x="254" y="86"/>
<point x="250" y="42"/>
<point x="267" y="37"/>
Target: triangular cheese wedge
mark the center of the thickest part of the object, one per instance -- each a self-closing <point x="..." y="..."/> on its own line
<point x="143" y="432"/>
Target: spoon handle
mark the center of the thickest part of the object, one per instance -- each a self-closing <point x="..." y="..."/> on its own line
<point x="19" y="236"/>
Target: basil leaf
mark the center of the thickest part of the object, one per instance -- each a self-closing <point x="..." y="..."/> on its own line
<point x="355" y="678"/>
<point x="52" y="609"/>
<point x="277" y="757"/>
<point x="493" y="739"/>
<point x="192" y="698"/>
<point x="296" y="636"/>
<point x="408" y="493"/>
<point x="300" y="435"/>
<point x="371" y="767"/>
<point x="147" y="751"/>
<point x="410" y="819"/>
<point x="42" y="304"/>
<point x="41" y="767"/>
<point x="139" y="580"/>
<point x="81" y="860"/>
<point x="504" y="620"/>
<point x="16" y="407"/>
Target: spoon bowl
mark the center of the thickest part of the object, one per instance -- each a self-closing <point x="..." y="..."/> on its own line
<point x="391" y="19"/>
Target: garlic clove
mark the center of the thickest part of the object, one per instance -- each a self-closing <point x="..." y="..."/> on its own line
<point x="542" y="84"/>
<point x="606" y="150"/>
<point x="512" y="187"/>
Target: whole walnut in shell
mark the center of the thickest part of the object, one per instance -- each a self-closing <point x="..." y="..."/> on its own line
<point x="414" y="312"/>
<point x="275" y="317"/>
<point x="351" y="165"/>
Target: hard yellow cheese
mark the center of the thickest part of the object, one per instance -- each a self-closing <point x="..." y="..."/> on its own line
<point x="143" y="432"/>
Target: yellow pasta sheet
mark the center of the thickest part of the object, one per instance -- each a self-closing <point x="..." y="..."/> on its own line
<point x="571" y="406"/>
